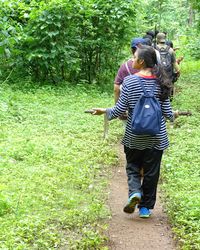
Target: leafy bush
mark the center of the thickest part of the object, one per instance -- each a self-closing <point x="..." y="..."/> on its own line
<point x="73" y="39"/>
<point x="10" y="29"/>
<point x="61" y="39"/>
<point x="194" y="47"/>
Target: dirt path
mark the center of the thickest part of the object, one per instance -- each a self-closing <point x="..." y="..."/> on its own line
<point x="129" y="232"/>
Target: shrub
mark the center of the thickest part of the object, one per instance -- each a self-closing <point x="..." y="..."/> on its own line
<point x="76" y="39"/>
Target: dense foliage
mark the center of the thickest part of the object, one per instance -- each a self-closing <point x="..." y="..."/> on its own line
<point x="83" y="40"/>
<point x="180" y="19"/>
<point x="72" y="40"/>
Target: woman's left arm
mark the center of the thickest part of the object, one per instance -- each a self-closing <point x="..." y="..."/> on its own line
<point x="167" y="110"/>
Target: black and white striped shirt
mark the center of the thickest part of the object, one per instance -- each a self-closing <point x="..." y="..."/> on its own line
<point x="131" y="91"/>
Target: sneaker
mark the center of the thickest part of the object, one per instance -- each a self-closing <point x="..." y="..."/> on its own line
<point x="144" y="212"/>
<point x="133" y="200"/>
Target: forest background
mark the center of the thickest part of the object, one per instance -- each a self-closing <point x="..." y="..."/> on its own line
<point x="84" y="41"/>
<point x="59" y="57"/>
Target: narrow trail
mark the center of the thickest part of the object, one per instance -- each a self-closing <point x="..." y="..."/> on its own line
<point x="129" y="232"/>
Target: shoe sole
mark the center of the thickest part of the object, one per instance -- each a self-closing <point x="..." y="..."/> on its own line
<point x="130" y="207"/>
<point x="145" y="216"/>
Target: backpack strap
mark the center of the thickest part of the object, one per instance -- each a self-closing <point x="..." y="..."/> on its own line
<point x="127" y="68"/>
<point x="143" y="88"/>
<point x="168" y="48"/>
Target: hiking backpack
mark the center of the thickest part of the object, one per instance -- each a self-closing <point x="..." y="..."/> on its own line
<point x="147" y="114"/>
<point x="166" y="60"/>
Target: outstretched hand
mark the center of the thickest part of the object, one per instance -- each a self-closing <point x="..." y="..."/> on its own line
<point x="176" y="114"/>
<point x="96" y="111"/>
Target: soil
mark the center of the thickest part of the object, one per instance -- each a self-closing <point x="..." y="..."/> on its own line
<point x="129" y="232"/>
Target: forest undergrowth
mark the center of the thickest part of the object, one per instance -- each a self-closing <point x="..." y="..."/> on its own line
<point x="181" y="169"/>
<point x="55" y="165"/>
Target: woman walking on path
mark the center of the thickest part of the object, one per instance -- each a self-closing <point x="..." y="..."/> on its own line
<point x="143" y="151"/>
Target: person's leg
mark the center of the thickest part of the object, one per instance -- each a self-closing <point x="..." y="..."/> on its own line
<point x="134" y="178"/>
<point x="133" y="158"/>
<point x="151" y="165"/>
<point x="133" y="167"/>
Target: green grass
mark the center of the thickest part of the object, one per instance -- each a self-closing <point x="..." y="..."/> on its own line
<point x="181" y="166"/>
<point x="54" y="167"/>
<point x="188" y="67"/>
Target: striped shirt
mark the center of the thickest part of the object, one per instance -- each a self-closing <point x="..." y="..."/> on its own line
<point x="131" y="91"/>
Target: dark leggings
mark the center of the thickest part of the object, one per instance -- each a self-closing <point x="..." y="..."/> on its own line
<point x="149" y="160"/>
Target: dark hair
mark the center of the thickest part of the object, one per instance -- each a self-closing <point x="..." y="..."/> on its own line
<point x="169" y="43"/>
<point x="148" y="41"/>
<point x="148" y="54"/>
<point x="133" y="50"/>
<point x="148" y="36"/>
<point x="152" y="33"/>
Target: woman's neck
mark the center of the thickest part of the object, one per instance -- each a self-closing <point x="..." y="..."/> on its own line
<point x="146" y="72"/>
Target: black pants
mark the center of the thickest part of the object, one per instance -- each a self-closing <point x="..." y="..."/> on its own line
<point x="149" y="160"/>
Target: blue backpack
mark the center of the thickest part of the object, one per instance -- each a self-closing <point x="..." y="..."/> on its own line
<point x="147" y="114"/>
